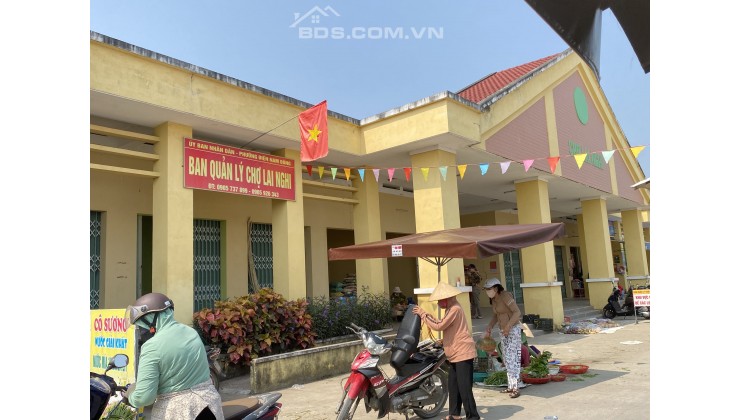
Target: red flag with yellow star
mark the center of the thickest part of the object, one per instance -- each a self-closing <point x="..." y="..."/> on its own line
<point x="314" y="133"/>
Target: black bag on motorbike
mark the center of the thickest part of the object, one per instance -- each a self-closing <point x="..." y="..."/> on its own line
<point x="407" y="338"/>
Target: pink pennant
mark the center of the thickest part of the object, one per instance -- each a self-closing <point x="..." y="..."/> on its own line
<point x="390" y="174"/>
<point x="528" y="164"/>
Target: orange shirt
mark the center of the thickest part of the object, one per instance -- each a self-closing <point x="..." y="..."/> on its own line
<point x="457" y="341"/>
<point x="505" y="311"/>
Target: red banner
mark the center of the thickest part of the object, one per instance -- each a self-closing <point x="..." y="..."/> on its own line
<point x="215" y="167"/>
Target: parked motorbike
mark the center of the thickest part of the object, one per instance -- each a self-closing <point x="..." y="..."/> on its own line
<point x="420" y="383"/>
<point x="103" y="387"/>
<point x="613" y="307"/>
<point x="260" y="407"/>
<point x="214" y="366"/>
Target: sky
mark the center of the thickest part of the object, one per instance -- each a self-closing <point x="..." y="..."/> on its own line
<point x="449" y="46"/>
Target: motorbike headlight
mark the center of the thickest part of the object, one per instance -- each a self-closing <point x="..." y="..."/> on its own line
<point x="376" y="348"/>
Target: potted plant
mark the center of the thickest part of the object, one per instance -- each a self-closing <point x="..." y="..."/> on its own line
<point x="538" y="371"/>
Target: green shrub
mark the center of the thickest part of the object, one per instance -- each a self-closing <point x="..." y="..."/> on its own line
<point x="332" y="316"/>
<point x="256" y="325"/>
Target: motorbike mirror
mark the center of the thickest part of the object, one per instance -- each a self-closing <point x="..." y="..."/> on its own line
<point x="118" y="361"/>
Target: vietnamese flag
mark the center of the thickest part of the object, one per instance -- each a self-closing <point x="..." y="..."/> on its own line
<point x="314" y="133"/>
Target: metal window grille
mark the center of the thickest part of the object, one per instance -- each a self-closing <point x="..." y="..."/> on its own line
<point x="95" y="230"/>
<point x="560" y="269"/>
<point x="206" y="263"/>
<point x="513" y="270"/>
<point x="262" y="253"/>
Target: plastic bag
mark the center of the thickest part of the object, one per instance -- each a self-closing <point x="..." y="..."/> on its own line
<point x="486" y="344"/>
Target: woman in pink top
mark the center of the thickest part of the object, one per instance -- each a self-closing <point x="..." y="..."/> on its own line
<point x="459" y="349"/>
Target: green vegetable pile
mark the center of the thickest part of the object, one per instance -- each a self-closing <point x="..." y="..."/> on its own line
<point x="496" y="378"/>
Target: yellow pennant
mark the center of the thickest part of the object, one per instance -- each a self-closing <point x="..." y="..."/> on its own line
<point x="321" y="171"/>
<point x="462" y="169"/>
<point x="636" y="150"/>
<point x="346" y="173"/>
<point x="425" y="172"/>
<point x="580" y="158"/>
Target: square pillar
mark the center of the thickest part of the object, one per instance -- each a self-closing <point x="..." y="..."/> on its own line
<point x="172" y="222"/>
<point x="598" y="243"/>
<point x="634" y="244"/>
<point x="540" y="285"/>
<point x="366" y="216"/>
<point x="317" y="258"/>
<point x="436" y="207"/>
<point x="288" y="254"/>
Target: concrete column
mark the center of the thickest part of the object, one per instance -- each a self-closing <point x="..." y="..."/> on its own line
<point x="288" y="254"/>
<point x="172" y="222"/>
<point x="318" y="261"/>
<point x="600" y="266"/>
<point x="634" y="243"/>
<point x="436" y="208"/>
<point x="540" y="287"/>
<point x="366" y="216"/>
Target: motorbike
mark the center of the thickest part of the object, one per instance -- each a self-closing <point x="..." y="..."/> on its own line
<point x="419" y="385"/>
<point x="613" y="307"/>
<point x="103" y="387"/>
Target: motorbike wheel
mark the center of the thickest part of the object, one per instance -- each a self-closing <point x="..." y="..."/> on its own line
<point x="214" y="379"/>
<point x="439" y="379"/>
<point x="609" y="312"/>
<point x="344" y="412"/>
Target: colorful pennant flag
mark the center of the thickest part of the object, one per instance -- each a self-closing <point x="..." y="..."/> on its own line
<point x="376" y="172"/>
<point x="580" y="158"/>
<point x="553" y="161"/>
<point x="462" y="169"/>
<point x="483" y="168"/>
<point x="390" y="174"/>
<point x="308" y="167"/>
<point x="346" y="173"/>
<point x="425" y="172"/>
<point x="333" y="173"/>
<point x="321" y="171"/>
<point x="407" y="171"/>
<point x="314" y="133"/>
<point x="505" y="167"/>
<point x="636" y="150"/>
<point x="443" y="172"/>
<point x="607" y="155"/>
<point x="362" y="174"/>
<point x="528" y="164"/>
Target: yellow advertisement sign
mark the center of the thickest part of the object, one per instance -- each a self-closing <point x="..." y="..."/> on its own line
<point x="108" y="337"/>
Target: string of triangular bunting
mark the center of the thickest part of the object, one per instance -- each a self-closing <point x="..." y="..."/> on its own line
<point x="553" y="161"/>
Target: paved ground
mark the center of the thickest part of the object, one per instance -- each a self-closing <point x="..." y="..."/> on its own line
<point x="617" y="384"/>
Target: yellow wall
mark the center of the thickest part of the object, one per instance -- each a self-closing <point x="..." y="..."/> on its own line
<point x="121" y="198"/>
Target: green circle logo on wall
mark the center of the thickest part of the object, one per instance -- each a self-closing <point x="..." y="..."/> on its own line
<point x="579" y="98"/>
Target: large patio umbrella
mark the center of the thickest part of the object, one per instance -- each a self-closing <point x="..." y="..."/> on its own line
<point x="440" y="247"/>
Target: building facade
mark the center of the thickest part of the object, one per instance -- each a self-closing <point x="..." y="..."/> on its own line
<point x="532" y="144"/>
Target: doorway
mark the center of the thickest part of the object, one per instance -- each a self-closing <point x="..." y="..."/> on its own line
<point x="513" y="273"/>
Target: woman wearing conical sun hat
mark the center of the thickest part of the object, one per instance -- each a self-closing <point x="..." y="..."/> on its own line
<point x="459" y="348"/>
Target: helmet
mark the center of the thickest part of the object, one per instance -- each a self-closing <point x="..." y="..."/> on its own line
<point x="149" y="303"/>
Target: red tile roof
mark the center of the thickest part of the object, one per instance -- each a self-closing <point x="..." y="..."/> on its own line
<point x="487" y="86"/>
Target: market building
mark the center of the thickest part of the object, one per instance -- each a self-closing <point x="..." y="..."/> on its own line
<point x="193" y="174"/>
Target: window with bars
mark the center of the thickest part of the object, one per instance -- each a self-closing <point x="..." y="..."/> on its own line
<point x="261" y="234"/>
<point x="206" y="263"/>
<point x="95" y="231"/>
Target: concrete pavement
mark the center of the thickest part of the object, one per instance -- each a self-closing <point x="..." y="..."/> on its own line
<point x="617" y="384"/>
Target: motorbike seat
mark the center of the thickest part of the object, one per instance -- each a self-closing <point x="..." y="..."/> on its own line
<point x="416" y="363"/>
<point x="239" y="408"/>
<point x="407" y="339"/>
